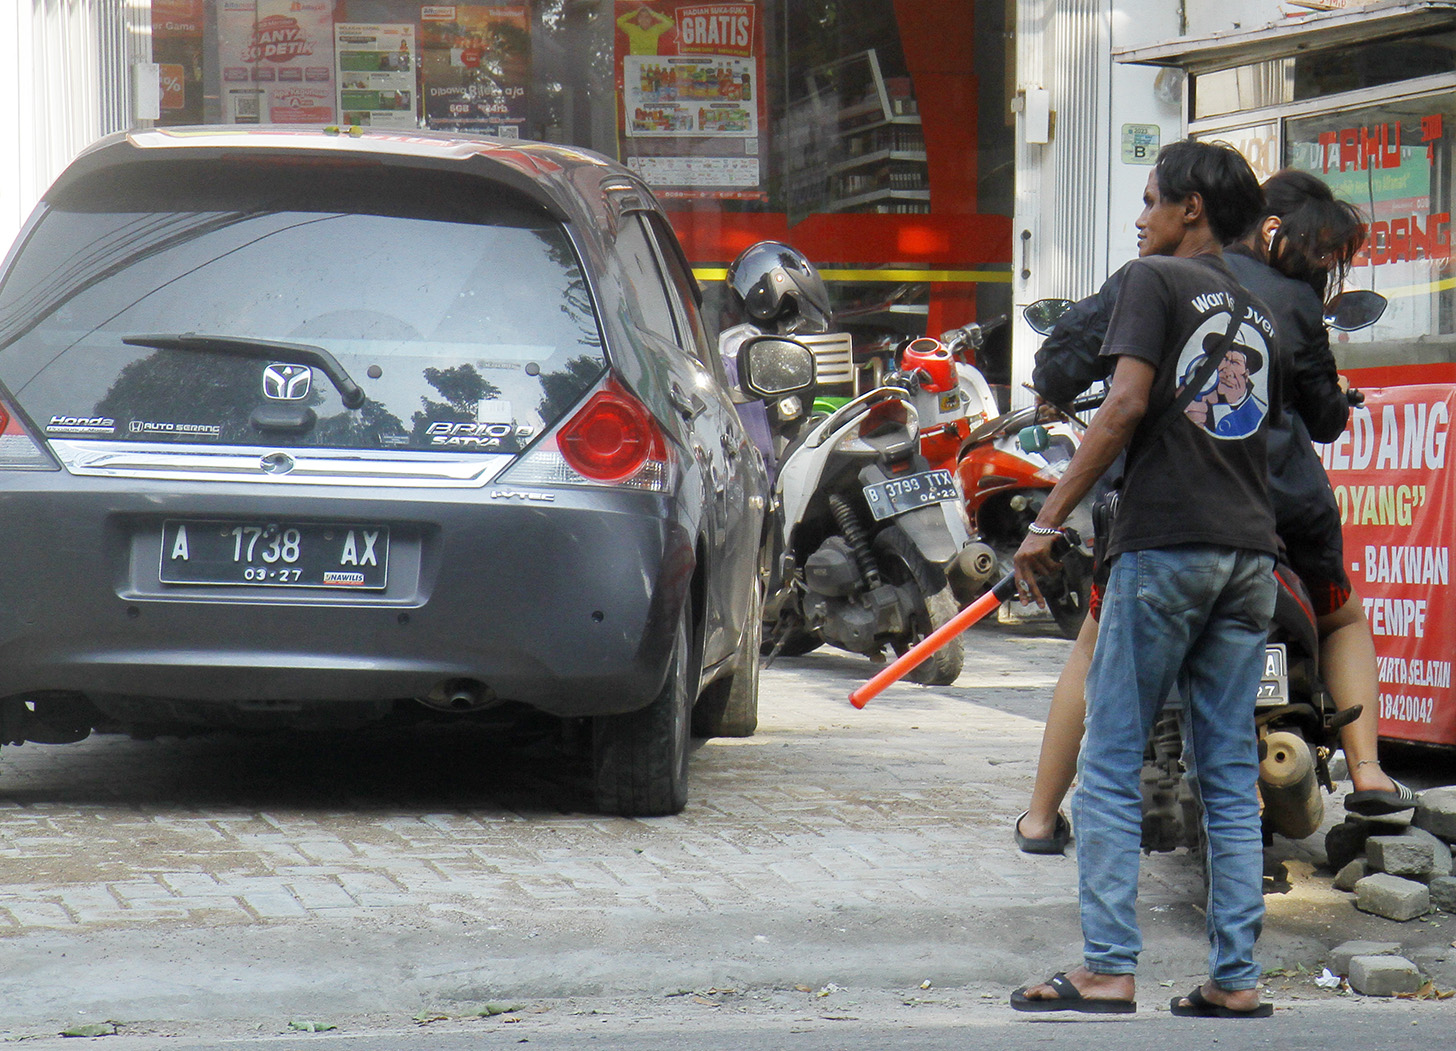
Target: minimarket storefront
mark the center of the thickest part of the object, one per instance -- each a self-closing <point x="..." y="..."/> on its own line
<point x="1377" y="121"/>
<point x="873" y="135"/>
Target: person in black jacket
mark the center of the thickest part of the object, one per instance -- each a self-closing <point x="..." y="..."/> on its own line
<point x="1297" y="253"/>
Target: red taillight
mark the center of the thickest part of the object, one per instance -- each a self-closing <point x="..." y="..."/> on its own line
<point x="611" y="437"/>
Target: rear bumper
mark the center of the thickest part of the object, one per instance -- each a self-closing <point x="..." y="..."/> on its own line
<point x="568" y="608"/>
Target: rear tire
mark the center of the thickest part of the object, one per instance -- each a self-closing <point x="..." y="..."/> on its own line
<point x="901" y="563"/>
<point x="729" y="707"/>
<point x="1068" y="605"/>
<point x="640" y="759"/>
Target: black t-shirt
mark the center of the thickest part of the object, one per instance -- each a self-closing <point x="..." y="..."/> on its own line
<point x="1202" y="477"/>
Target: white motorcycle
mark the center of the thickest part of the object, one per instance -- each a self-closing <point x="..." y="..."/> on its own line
<point x="869" y="531"/>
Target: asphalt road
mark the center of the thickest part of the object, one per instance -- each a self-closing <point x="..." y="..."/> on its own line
<point x="842" y="877"/>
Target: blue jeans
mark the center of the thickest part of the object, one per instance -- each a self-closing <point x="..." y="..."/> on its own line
<point x="1197" y="614"/>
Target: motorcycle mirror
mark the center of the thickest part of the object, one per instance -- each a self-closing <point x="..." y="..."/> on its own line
<point x="1043" y="314"/>
<point x="1355" y="309"/>
<point x="775" y="366"/>
<point x="1033" y="439"/>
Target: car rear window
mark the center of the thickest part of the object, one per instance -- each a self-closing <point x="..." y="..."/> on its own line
<point x="458" y="306"/>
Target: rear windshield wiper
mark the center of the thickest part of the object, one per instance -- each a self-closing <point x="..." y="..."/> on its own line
<point x="264" y="349"/>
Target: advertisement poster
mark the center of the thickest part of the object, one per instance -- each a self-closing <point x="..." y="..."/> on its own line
<point x="1397" y="494"/>
<point x="376" y="73"/>
<point x="177" y="50"/>
<point x="1392" y="161"/>
<point x="277" y="61"/>
<point x="690" y="81"/>
<point x="477" y="67"/>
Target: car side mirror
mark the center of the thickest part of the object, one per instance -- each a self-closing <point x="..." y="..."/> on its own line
<point x="775" y="367"/>
<point x="1044" y="314"/>
<point x="1355" y="309"/>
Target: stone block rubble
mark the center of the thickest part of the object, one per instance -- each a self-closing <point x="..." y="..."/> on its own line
<point x="1399" y="867"/>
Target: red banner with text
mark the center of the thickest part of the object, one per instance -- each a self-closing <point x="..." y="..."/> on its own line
<point x="1397" y="498"/>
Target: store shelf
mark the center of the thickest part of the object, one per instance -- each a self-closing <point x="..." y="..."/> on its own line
<point x="878" y="156"/>
<point x="849" y="204"/>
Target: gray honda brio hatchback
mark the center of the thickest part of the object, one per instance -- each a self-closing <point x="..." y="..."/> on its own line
<point x="307" y="428"/>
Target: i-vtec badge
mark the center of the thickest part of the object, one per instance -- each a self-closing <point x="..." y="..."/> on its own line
<point x="470" y="435"/>
<point x="522" y="494"/>
<point x="285" y="381"/>
<point x="81" y="425"/>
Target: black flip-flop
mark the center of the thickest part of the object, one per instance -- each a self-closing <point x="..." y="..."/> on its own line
<point x="1200" y="1006"/>
<point x="1069" y="999"/>
<point x="1376" y="802"/>
<point x="1056" y="843"/>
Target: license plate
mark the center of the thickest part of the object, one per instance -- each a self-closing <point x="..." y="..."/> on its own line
<point x="1274" y="687"/>
<point x="895" y="496"/>
<point x="275" y="554"/>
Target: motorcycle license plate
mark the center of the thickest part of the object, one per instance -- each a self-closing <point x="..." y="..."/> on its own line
<point x="895" y="496"/>
<point x="275" y="554"/>
<point x="1274" y="687"/>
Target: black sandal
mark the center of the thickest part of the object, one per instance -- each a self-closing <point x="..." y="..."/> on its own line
<point x="1069" y="999"/>
<point x="1056" y="843"/>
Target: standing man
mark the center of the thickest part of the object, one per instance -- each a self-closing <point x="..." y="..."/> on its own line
<point x="1191" y="588"/>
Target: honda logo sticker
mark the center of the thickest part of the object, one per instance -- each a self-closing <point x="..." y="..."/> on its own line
<point x="284" y="381"/>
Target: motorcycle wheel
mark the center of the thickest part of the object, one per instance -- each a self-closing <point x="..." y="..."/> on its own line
<point x="1068" y="606"/>
<point x="902" y="563"/>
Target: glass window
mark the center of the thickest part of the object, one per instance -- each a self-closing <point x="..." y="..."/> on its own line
<point x="1318" y="74"/>
<point x="444" y="304"/>
<point x="1393" y="160"/>
<point x="647" y="297"/>
<point x="684" y="291"/>
<point x="874" y="136"/>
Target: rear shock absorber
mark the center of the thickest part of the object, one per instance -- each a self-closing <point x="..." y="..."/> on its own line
<point x="854" y="534"/>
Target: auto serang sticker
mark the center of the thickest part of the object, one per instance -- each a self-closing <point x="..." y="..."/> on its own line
<point x="189" y="430"/>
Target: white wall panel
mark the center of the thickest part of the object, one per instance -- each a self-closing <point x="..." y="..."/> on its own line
<point x="68" y="68"/>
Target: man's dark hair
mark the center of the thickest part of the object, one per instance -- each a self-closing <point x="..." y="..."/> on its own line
<point x="1218" y="173"/>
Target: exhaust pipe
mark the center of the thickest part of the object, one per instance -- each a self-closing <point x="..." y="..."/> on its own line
<point x="458" y="696"/>
<point x="1292" y="800"/>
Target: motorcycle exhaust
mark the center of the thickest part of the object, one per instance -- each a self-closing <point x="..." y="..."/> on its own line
<point x="1293" y="805"/>
<point x="976" y="564"/>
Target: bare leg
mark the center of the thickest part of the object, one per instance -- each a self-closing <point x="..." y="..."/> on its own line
<point x="1057" y="765"/>
<point x="1347" y="656"/>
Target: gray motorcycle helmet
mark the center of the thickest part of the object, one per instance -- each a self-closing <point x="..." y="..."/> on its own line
<point x="775" y="284"/>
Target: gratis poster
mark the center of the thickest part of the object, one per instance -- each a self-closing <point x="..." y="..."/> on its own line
<point x="477" y="64"/>
<point x="376" y="73"/>
<point x="690" y="85"/>
<point x="277" y="61"/>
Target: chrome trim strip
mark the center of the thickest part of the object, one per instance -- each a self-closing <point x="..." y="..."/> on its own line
<point x="204" y="463"/>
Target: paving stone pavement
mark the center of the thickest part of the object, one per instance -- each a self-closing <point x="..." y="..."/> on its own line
<point x="460" y="862"/>
<point x="906" y="801"/>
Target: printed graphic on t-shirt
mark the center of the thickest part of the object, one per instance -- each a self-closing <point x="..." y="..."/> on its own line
<point x="1233" y="401"/>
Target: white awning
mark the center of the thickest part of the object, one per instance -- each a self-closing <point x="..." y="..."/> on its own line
<point x="1350" y="27"/>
